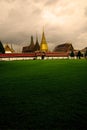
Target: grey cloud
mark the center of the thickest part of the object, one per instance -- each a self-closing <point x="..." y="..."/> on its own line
<point x="7" y="1"/>
<point x="86" y="11"/>
<point x="15" y="15"/>
<point x="23" y="18"/>
<point x="36" y="11"/>
<point x="51" y="2"/>
<point x="10" y="1"/>
<point x="83" y="29"/>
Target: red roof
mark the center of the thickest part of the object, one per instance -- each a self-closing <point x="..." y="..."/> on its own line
<point x="47" y="54"/>
<point x="17" y="55"/>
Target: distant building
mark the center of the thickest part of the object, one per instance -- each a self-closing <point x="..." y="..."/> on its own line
<point x="43" y="47"/>
<point x="66" y="47"/>
<point x="8" y="49"/>
<point x="84" y="50"/>
<point x="29" y="48"/>
<point x="25" y="49"/>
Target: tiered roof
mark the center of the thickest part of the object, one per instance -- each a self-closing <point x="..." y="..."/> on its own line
<point x="43" y="47"/>
<point x="8" y="49"/>
<point x="36" y="46"/>
<point x="66" y="47"/>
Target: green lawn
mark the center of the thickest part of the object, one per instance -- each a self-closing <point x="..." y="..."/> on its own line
<point x="43" y="95"/>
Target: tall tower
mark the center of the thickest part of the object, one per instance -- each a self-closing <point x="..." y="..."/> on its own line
<point x="43" y="45"/>
<point x="31" y="47"/>
<point x="36" y="46"/>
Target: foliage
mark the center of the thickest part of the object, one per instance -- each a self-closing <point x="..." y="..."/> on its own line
<point x="2" y="50"/>
<point x="79" y="54"/>
<point x="72" y="54"/>
<point x="86" y="54"/>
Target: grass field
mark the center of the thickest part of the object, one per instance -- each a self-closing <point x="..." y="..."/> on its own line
<point x="43" y="95"/>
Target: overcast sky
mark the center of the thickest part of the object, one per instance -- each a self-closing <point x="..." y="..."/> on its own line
<point x="63" y="21"/>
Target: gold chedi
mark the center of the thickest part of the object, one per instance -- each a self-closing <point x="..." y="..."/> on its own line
<point x="43" y="45"/>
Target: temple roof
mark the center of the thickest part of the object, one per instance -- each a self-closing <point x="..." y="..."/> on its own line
<point x="43" y="47"/>
<point x="64" y="47"/>
<point x="29" y="48"/>
<point x="8" y="49"/>
<point x="84" y="50"/>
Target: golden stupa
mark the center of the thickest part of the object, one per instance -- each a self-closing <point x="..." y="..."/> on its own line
<point x="43" y="45"/>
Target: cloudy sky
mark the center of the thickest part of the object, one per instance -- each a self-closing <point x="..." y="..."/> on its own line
<point x="63" y="21"/>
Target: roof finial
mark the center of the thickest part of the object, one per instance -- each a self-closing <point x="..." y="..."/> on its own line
<point x="36" y="37"/>
<point x="43" y="29"/>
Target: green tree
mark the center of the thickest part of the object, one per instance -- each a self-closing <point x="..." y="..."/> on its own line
<point x="72" y="54"/>
<point x="86" y="54"/>
<point x="2" y="50"/>
<point x="79" y="54"/>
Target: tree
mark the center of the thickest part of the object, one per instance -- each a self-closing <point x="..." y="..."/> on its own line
<point x="2" y="50"/>
<point x="43" y="55"/>
<point x="86" y="54"/>
<point x="72" y="54"/>
<point x="79" y="54"/>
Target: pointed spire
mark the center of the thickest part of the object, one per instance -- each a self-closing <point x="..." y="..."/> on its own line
<point x="43" y="45"/>
<point x="31" y="47"/>
<point x="32" y="42"/>
<point x="36" y="47"/>
<point x="43" y="28"/>
<point x="36" y="38"/>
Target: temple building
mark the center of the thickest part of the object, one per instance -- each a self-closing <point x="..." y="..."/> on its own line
<point x="66" y="47"/>
<point x="29" y="48"/>
<point x="43" y="47"/>
<point x="9" y="49"/>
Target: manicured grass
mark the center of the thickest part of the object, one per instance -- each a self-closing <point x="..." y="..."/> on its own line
<point x="43" y="95"/>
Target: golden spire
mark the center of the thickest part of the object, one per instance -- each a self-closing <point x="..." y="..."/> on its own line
<point x="43" y="45"/>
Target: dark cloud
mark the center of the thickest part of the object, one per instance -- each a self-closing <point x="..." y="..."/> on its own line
<point x="63" y="21"/>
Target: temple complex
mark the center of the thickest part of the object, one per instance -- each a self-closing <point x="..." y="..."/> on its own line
<point x="43" y="47"/>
